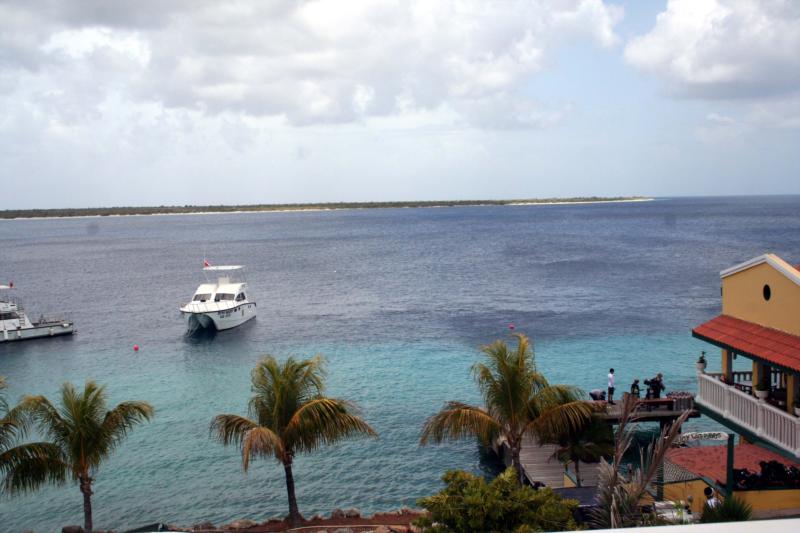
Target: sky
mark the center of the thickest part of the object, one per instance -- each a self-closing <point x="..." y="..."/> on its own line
<point x="203" y="102"/>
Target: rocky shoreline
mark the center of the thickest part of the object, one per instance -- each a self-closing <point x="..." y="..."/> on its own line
<point x="340" y="521"/>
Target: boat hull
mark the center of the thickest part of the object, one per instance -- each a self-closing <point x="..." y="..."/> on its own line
<point x="38" y="331"/>
<point x="220" y="320"/>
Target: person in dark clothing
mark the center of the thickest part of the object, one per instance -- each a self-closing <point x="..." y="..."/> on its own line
<point x="655" y="386"/>
<point x="635" y="391"/>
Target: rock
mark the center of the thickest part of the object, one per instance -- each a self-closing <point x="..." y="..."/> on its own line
<point x="337" y="513"/>
<point x="398" y="529"/>
<point x="382" y="529"/>
<point x="352" y="513"/>
<point x="343" y="530"/>
<point x="72" y="529"/>
<point x="241" y="524"/>
<point x="203" y="526"/>
<point x="406" y="510"/>
<point x="317" y="517"/>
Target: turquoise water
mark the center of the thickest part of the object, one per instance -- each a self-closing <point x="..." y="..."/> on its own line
<point x="397" y="301"/>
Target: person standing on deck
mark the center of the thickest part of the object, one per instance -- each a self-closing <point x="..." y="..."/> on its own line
<point x="655" y="386"/>
<point x="635" y="391"/>
<point x="611" y="386"/>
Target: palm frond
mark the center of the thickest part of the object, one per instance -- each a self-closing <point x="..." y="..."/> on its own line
<point x="123" y="418"/>
<point x="458" y="420"/>
<point x="260" y="442"/>
<point x="560" y="419"/>
<point x="231" y="429"/>
<point x="39" y="411"/>
<point x="29" y="466"/>
<point x="324" y="421"/>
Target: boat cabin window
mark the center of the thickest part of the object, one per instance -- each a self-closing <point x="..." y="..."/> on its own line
<point x="9" y="316"/>
<point x="201" y="297"/>
<point x="223" y="297"/>
<point x="240" y="297"/>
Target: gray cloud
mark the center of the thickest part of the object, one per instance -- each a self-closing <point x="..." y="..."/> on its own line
<point x="308" y="62"/>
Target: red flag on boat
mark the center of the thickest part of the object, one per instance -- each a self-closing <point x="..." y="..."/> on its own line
<point x="205" y="263"/>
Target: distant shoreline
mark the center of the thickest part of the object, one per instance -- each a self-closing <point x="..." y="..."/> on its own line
<point x="11" y="214"/>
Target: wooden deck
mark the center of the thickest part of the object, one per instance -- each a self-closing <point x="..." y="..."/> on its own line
<point x="539" y="465"/>
<point x="661" y="415"/>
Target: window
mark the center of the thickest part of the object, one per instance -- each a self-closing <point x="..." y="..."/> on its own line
<point x="767" y="292"/>
<point x="201" y="297"/>
<point x="240" y="297"/>
<point x="223" y="297"/>
<point x="9" y="316"/>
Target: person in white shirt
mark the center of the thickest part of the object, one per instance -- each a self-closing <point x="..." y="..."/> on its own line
<point x="611" y="386"/>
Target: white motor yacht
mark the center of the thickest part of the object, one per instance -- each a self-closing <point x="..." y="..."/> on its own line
<point x="221" y="305"/>
<point x="16" y="326"/>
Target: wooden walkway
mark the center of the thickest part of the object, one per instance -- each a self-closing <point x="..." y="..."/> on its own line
<point x="539" y="465"/>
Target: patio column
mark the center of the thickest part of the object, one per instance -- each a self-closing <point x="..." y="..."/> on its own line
<point x="791" y="391"/>
<point x="727" y="365"/>
<point x="758" y="370"/>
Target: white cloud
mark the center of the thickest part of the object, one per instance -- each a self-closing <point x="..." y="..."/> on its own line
<point x="308" y="62"/>
<point x="723" y="49"/>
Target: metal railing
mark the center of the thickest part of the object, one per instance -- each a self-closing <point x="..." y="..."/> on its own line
<point x="768" y="422"/>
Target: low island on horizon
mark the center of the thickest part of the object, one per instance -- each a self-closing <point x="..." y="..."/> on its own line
<point x="321" y="206"/>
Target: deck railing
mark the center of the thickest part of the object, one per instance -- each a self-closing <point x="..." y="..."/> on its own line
<point x="768" y="422"/>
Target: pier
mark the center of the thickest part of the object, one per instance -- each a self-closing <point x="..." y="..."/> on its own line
<point x="539" y="465"/>
<point x="664" y="414"/>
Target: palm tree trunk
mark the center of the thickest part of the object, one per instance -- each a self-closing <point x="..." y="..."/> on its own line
<point x="294" y="512"/>
<point x="86" y="490"/>
<point x="578" y="472"/>
<point x="516" y="462"/>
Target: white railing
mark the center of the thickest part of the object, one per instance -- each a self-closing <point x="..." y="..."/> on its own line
<point x="771" y="424"/>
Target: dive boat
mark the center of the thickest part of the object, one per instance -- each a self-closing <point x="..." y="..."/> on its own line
<point x="221" y="305"/>
<point x="16" y="326"/>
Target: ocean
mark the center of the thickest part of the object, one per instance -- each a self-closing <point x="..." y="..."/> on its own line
<point x="398" y="301"/>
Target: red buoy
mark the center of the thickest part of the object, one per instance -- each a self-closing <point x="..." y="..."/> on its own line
<point x="511" y="327"/>
<point x="135" y="347"/>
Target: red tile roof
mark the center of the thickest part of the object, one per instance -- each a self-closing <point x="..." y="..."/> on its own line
<point x="751" y="339"/>
<point x="710" y="461"/>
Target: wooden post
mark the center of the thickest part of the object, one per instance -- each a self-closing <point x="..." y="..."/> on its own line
<point x="791" y="392"/>
<point x="757" y="369"/>
<point x="729" y="468"/>
<point x="727" y="365"/>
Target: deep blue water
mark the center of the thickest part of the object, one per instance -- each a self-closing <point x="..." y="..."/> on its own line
<point x="397" y="300"/>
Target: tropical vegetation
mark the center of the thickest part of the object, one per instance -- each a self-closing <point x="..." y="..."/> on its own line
<point x="81" y="433"/>
<point x="620" y="495"/>
<point x="731" y="509"/>
<point x="588" y="444"/>
<point x="22" y="466"/>
<point x="468" y="503"/>
<point x="518" y="400"/>
<point x="289" y="415"/>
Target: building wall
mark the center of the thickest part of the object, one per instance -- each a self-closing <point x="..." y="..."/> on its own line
<point x="760" y="500"/>
<point x="743" y="298"/>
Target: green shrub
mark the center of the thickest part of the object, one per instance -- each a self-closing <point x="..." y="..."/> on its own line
<point x="731" y="509"/>
<point x="468" y="503"/>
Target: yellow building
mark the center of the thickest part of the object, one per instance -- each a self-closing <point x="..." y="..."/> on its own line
<point x="760" y="322"/>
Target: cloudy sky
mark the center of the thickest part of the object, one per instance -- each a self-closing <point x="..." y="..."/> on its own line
<point x="198" y="102"/>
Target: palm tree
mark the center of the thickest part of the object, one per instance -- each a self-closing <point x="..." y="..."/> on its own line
<point x="24" y="466"/>
<point x="289" y="416"/>
<point x="619" y="496"/>
<point x="82" y="434"/>
<point x="519" y="401"/>
<point x="591" y="443"/>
